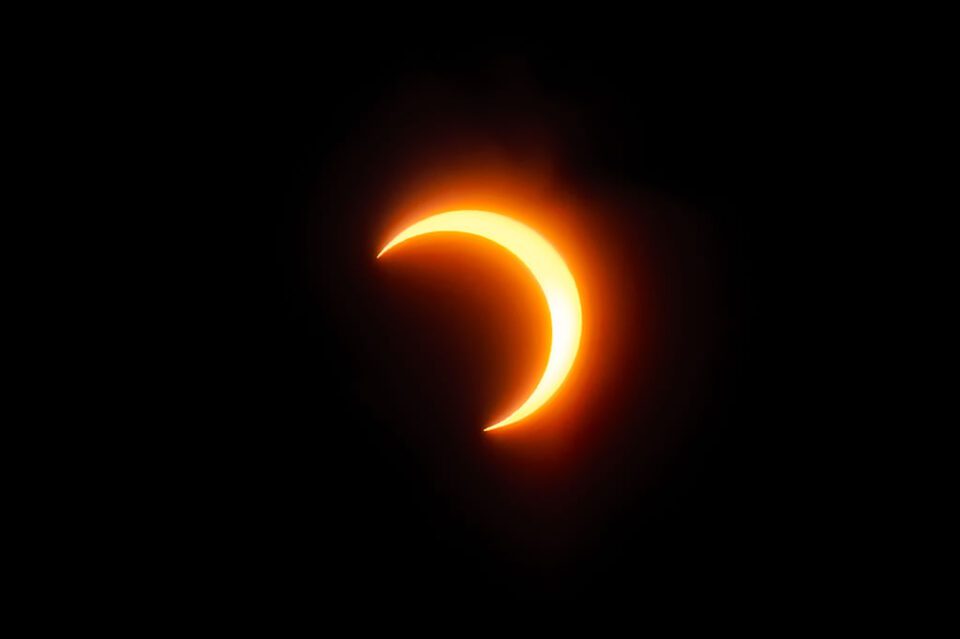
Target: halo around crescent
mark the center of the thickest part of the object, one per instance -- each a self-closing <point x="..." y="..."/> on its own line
<point x="551" y="273"/>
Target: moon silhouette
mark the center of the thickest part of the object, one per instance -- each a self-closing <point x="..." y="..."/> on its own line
<point x="551" y="273"/>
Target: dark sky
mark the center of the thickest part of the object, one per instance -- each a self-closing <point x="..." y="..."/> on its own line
<point x="337" y="403"/>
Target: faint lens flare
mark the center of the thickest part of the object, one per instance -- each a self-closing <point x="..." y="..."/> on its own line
<point x="551" y="273"/>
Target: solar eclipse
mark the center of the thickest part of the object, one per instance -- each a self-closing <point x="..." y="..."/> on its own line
<point x="551" y="273"/>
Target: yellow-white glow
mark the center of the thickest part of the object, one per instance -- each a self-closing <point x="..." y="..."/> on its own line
<point x="551" y="273"/>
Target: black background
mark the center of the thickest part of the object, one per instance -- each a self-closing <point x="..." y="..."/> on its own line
<point x="330" y="440"/>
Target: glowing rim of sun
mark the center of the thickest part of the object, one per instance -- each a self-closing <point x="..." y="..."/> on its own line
<point x="551" y="273"/>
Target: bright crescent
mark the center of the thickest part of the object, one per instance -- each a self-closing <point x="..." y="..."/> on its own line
<point x="552" y="275"/>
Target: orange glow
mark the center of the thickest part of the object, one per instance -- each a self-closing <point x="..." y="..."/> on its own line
<point x="551" y="273"/>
